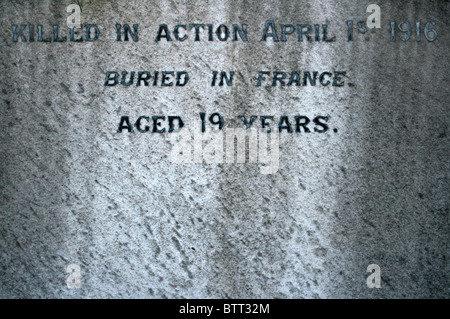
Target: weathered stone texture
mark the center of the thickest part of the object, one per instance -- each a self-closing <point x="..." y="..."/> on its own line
<point x="74" y="191"/>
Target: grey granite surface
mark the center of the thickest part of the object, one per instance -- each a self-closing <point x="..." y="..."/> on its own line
<point x="74" y="191"/>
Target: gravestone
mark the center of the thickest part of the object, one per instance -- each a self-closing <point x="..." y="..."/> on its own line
<point x="137" y="162"/>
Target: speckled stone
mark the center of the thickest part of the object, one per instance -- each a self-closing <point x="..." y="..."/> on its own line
<point x="74" y="191"/>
